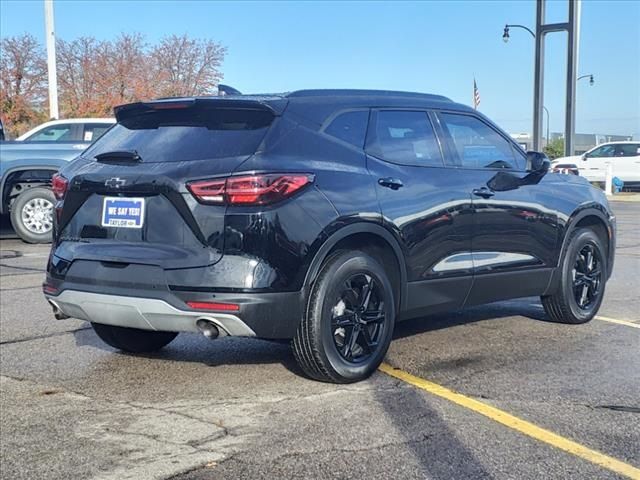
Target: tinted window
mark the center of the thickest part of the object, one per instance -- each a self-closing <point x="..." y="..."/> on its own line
<point x="602" y="152"/>
<point x="477" y="145"/>
<point x="187" y="134"/>
<point x="350" y="127"/>
<point x="628" y="150"/>
<point x="54" y="133"/>
<point x="406" y="138"/>
<point x="94" y="131"/>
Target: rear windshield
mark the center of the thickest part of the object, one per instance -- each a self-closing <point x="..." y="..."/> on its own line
<point x="186" y="134"/>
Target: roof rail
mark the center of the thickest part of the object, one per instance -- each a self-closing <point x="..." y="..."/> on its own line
<point x="356" y="92"/>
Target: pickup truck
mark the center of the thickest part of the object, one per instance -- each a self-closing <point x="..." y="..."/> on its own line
<point x="27" y="165"/>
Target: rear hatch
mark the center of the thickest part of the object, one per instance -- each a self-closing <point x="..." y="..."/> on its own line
<point x="127" y="200"/>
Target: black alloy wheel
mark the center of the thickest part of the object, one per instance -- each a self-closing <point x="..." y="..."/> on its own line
<point x="348" y="325"/>
<point x="358" y="319"/>
<point x="587" y="276"/>
<point x="582" y="278"/>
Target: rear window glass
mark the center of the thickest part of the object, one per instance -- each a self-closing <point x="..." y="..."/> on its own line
<point x="186" y="134"/>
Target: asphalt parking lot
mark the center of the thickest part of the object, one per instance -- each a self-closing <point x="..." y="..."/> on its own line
<point x="523" y="398"/>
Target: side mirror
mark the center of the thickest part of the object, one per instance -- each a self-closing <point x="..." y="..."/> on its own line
<point x="537" y="162"/>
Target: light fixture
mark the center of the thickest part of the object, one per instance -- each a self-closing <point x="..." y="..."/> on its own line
<point x="505" y="35"/>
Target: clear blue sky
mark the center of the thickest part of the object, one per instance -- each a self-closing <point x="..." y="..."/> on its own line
<point x="424" y="46"/>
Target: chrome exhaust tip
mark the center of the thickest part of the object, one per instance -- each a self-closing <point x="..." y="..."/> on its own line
<point x="57" y="312"/>
<point x="208" y="328"/>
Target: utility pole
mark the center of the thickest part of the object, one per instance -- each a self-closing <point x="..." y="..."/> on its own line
<point x="51" y="59"/>
<point x="572" y="27"/>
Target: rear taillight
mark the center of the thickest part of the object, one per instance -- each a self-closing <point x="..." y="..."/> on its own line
<point x="59" y="186"/>
<point x="249" y="189"/>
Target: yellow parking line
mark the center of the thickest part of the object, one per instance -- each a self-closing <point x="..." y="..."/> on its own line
<point x="619" y="322"/>
<point x="516" y="423"/>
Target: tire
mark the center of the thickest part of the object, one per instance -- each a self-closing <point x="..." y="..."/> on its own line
<point x="133" y="340"/>
<point x="339" y="340"/>
<point x="570" y="303"/>
<point x="32" y="215"/>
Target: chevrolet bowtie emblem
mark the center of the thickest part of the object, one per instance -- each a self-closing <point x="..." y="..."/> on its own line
<point x="115" y="182"/>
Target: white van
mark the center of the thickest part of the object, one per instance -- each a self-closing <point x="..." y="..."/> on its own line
<point x="624" y="158"/>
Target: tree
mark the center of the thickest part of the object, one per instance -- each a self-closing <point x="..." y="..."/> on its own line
<point x="96" y="75"/>
<point x="555" y="148"/>
<point x="78" y="85"/>
<point x="23" y="82"/>
<point x="187" y="66"/>
<point x="127" y="76"/>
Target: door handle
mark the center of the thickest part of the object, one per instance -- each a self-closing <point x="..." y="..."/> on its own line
<point x="483" y="192"/>
<point x="392" y="183"/>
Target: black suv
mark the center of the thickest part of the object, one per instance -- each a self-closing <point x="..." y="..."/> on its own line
<point x="320" y="216"/>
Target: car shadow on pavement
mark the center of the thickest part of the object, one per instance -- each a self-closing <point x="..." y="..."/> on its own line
<point x="523" y="307"/>
<point x="439" y="451"/>
<point x="195" y="348"/>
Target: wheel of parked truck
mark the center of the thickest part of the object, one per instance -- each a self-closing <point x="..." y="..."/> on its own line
<point x="32" y="215"/>
<point x="583" y="278"/>
<point x="133" y="340"/>
<point x="349" y="320"/>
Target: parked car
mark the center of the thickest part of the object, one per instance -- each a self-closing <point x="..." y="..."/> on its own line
<point x="624" y="158"/>
<point x="69" y="130"/>
<point x="27" y="165"/>
<point x="565" y="168"/>
<point x="320" y="216"/>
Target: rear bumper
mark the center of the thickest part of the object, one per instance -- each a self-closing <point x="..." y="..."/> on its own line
<point x="150" y="297"/>
<point x="142" y="313"/>
<point x="263" y="315"/>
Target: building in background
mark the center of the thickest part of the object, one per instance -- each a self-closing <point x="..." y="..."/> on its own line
<point x="582" y="141"/>
<point x="586" y="141"/>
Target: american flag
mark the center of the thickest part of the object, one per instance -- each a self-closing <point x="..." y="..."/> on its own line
<point x="476" y="95"/>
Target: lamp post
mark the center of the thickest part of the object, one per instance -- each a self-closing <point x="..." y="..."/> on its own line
<point x="589" y="76"/>
<point x="547" y="111"/>
<point x="572" y="27"/>
<point x="505" y="35"/>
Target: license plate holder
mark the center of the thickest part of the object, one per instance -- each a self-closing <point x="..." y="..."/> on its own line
<point x="123" y="212"/>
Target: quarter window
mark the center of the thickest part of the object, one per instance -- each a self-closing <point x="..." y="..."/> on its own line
<point x="628" y="150"/>
<point x="92" y="132"/>
<point x="477" y="145"/>
<point x="407" y="138"/>
<point x="350" y="127"/>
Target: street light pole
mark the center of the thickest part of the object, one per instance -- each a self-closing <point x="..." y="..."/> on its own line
<point x="572" y="27"/>
<point x="547" y="140"/>
<point x="51" y="59"/>
<point x="589" y="76"/>
<point x="505" y="35"/>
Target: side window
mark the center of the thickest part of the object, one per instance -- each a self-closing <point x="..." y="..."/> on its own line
<point x="604" y="151"/>
<point x="628" y="150"/>
<point x="94" y="131"/>
<point x="477" y="144"/>
<point x="407" y="138"/>
<point x="54" y="133"/>
<point x="350" y="127"/>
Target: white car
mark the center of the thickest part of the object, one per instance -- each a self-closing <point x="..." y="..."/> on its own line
<point x="624" y="158"/>
<point x="68" y="130"/>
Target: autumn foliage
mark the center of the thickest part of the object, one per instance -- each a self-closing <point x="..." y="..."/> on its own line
<point x="95" y="75"/>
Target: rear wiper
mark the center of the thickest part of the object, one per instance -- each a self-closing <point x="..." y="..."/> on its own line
<point x="125" y="156"/>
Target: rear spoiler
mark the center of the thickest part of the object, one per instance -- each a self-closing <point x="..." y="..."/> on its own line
<point x="275" y="105"/>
